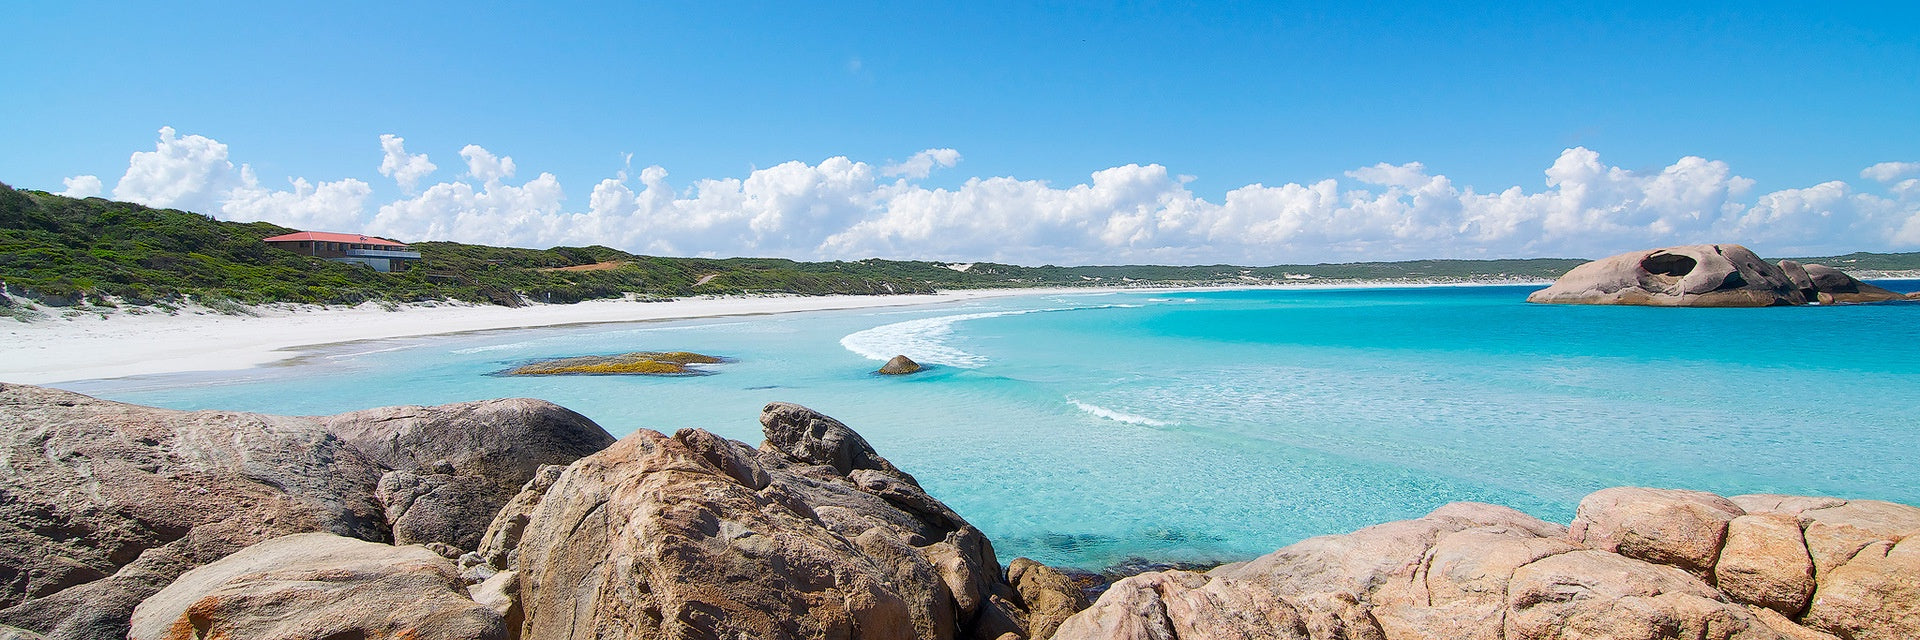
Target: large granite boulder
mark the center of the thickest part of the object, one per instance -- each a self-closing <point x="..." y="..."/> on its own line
<point x="1637" y="564"/>
<point x="102" y="503"/>
<point x="106" y="503"/>
<point x="1702" y="275"/>
<point x="318" y="585"/>
<point x="1832" y="285"/>
<point x="1681" y="528"/>
<point x="813" y="535"/>
<point x="450" y="468"/>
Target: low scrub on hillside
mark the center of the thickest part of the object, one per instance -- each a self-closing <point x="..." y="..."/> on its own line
<point x="65" y="251"/>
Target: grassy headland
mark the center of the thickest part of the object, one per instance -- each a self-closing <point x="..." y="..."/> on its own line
<point x="65" y="251"/>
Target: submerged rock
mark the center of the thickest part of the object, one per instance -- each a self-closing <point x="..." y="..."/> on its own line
<point x="318" y="585"/>
<point x="899" y="366"/>
<point x="106" y="503"/>
<point x="639" y="363"/>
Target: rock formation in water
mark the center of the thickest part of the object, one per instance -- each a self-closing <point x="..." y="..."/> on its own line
<point x="1636" y="564"/>
<point x="899" y="366"/>
<point x="102" y="504"/>
<point x="1705" y="275"/>
<point x="119" y="520"/>
<point x="639" y="363"/>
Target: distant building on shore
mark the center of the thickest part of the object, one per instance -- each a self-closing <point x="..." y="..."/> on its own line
<point x="379" y="254"/>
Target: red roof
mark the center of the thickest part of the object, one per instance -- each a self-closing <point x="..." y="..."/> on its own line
<point x="322" y="236"/>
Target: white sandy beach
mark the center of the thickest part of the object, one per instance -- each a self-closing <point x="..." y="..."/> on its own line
<point x="85" y="346"/>
<point x="73" y="345"/>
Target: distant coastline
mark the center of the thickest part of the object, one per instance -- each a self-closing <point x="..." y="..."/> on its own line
<point x="63" y="344"/>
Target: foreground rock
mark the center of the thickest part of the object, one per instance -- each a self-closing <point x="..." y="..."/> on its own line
<point x="318" y="585"/>
<point x="1637" y="564"/>
<point x="899" y="366"/>
<point x="813" y="535"/>
<point x="1705" y="275"/>
<point x="450" y="468"/>
<point x="106" y="503"/>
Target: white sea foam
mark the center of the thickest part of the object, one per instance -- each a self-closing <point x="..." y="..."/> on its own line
<point x="924" y="339"/>
<point x="491" y="347"/>
<point x="1117" y="416"/>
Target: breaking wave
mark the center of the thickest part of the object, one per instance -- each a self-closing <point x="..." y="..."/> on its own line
<point x="925" y="339"/>
<point x="1117" y="416"/>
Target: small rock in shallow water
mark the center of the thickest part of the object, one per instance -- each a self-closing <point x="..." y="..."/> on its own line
<point x="899" y="366"/>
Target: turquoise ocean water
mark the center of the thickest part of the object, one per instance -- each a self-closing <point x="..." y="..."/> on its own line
<point x="1083" y="429"/>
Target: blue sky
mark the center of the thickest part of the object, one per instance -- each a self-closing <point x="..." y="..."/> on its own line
<point x="1200" y="101"/>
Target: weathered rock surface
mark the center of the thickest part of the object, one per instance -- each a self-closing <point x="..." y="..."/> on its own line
<point x="899" y="366"/>
<point x="1832" y="285"/>
<point x="1047" y="594"/>
<point x="318" y="585"/>
<point x="1702" y="275"/>
<point x="1666" y="526"/>
<point x="813" y="535"/>
<point x="452" y="467"/>
<point x="106" y="503"/>
<point x="1482" y="572"/>
<point x="1765" y="563"/>
<point x="102" y="504"/>
<point x="499" y="547"/>
<point x="1706" y="275"/>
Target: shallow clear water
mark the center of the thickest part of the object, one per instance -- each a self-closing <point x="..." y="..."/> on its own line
<point x="1083" y="429"/>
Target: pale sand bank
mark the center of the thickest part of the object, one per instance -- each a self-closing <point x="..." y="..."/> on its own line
<point x="87" y="347"/>
<point x="71" y="345"/>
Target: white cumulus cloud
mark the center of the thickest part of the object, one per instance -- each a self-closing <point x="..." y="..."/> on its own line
<point x="82" y="186"/>
<point x="840" y="208"/>
<point x="186" y="172"/>
<point x="405" y="169"/>
<point x="327" y="206"/>
<point x="484" y="166"/>
<point x="922" y="164"/>
<point x="1890" y="171"/>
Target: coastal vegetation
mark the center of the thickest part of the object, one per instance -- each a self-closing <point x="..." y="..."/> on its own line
<point x="65" y="251"/>
<point x="651" y="363"/>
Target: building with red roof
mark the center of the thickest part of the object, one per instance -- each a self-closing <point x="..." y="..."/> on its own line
<point x="380" y="254"/>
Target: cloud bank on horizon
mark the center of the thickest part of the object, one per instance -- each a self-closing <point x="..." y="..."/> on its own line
<point x="845" y="209"/>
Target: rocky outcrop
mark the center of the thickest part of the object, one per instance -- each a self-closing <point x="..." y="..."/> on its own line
<point x="1637" y="564"/>
<point x="1048" y="595"/>
<point x="813" y="535"/>
<point x="317" y="585"/>
<point x="450" y="468"/>
<point x="1832" y="285"/>
<point x="1705" y="275"/>
<point x="641" y="363"/>
<point x="106" y="503"/>
<point x="899" y="366"/>
<point x="499" y="548"/>
<point x="102" y="504"/>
